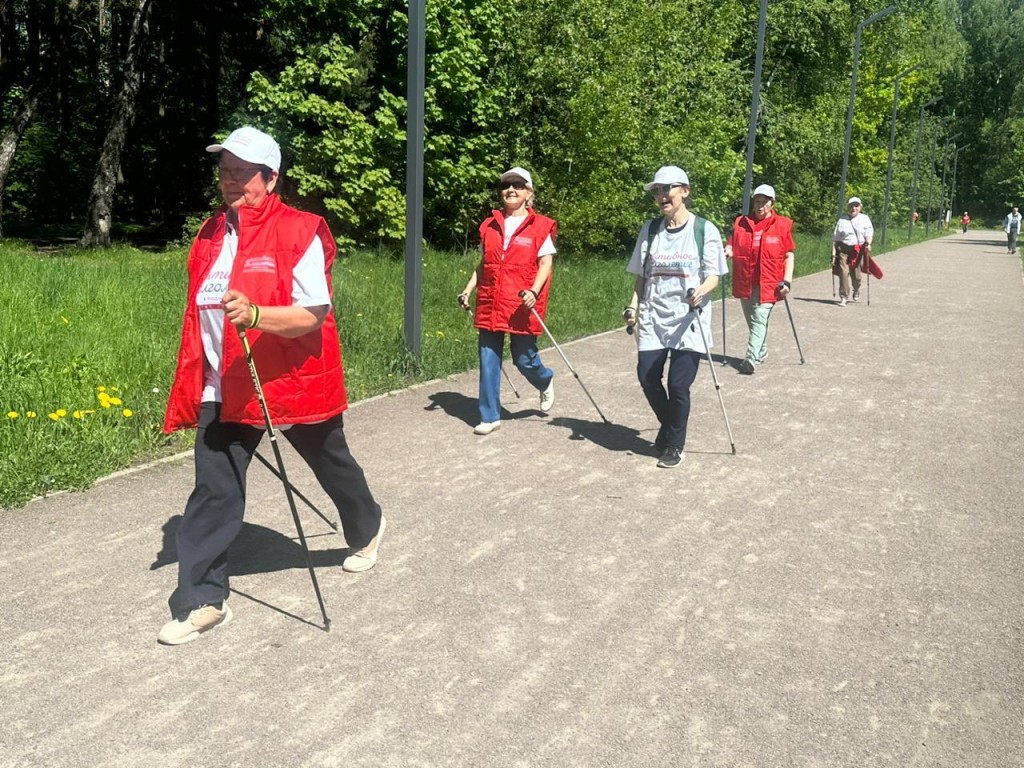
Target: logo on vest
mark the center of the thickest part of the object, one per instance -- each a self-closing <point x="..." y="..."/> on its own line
<point x="523" y="241"/>
<point x="263" y="263"/>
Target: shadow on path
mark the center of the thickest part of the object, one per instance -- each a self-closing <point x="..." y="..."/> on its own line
<point x="612" y="437"/>
<point x="465" y="409"/>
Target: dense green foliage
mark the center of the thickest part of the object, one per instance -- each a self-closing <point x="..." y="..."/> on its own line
<point x="591" y="95"/>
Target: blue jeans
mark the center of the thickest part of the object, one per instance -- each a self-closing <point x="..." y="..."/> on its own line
<point x="523" y="349"/>
<point x="672" y="407"/>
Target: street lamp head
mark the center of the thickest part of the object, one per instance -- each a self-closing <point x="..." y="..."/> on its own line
<point x="877" y="16"/>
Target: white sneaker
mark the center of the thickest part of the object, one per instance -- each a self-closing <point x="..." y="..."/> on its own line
<point x="547" y="397"/>
<point x="365" y="558"/>
<point x="842" y="302"/>
<point x="198" y="622"/>
<point x="486" y="427"/>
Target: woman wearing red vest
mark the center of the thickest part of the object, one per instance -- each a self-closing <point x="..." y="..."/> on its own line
<point x="260" y="266"/>
<point x="512" y="281"/>
<point x="763" y="253"/>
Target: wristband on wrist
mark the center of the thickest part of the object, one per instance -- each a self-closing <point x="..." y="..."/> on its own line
<point x="786" y="283"/>
<point x="255" y="311"/>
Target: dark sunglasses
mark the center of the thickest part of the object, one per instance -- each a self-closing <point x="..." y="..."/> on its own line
<point x="518" y="186"/>
<point x="663" y="189"/>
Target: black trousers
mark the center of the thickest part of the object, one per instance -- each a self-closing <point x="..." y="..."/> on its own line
<point x="671" y="406"/>
<point x="214" y="511"/>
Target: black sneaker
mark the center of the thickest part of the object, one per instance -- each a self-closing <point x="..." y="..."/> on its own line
<point x="747" y="368"/>
<point x="672" y="457"/>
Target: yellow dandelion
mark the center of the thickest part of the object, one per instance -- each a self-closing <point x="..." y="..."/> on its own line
<point x="104" y="399"/>
<point x="115" y="389"/>
<point x="30" y="414"/>
<point x="54" y="417"/>
<point x="115" y="401"/>
<point x="61" y="413"/>
<point x="101" y="388"/>
<point x="12" y="414"/>
<point x="440" y="334"/>
<point x="127" y="413"/>
<point x="76" y="415"/>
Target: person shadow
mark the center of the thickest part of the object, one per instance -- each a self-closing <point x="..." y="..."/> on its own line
<point x="610" y="436"/>
<point x="256" y="549"/>
<point x="465" y="409"/>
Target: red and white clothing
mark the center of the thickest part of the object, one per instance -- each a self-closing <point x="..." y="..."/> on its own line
<point x="511" y="249"/>
<point x="272" y="259"/>
<point x="759" y="251"/>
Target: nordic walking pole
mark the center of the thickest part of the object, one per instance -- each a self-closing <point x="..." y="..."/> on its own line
<point x="295" y="490"/>
<point x="868" y="258"/>
<point x="793" y="326"/>
<point x="723" y="319"/>
<point x="714" y="376"/>
<point x="507" y="378"/>
<point x="283" y="475"/>
<point x="568" y="364"/>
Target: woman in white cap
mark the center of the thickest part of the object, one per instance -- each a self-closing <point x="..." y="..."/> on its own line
<point x="261" y="268"/>
<point x="674" y="254"/>
<point x="763" y="254"/>
<point x="512" y="282"/>
<point x="851" y="249"/>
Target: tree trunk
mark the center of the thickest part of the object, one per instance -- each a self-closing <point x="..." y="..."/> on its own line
<point x="9" y="142"/>
<point x="101" y="199"/>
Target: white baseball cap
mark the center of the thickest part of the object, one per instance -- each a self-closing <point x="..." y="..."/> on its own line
<point x="518" y="173"/>
<point x="251" y="145"/>
<point x="765" y="189"/>
<point x="668" y="174"/>
<point x="853" y="200"/>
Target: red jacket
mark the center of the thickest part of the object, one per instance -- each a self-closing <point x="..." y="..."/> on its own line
<point x="506" y="273"/>
<point x="768" y="263"/>
<point x="302" y="378"/>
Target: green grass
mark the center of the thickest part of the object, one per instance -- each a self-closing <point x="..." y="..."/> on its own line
<point x="85" y="320"/>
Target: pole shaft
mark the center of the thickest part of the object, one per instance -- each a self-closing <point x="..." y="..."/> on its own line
<point x="849" y="124"/>
<point x="888" y="167"/>
<point x="414" y="177"/>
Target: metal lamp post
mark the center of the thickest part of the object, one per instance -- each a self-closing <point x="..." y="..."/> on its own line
<point x="931" y="174"/>
<point x="853" y="96"/>
<point x="917" y="165"/>
<point x="755" y="108"/>
<point x="942" y="185"/>
<point x="892" y="145"/>
<point x="952" y="186"/>
<point x="414" y="177"/>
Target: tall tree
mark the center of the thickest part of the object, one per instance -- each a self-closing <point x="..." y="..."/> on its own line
<point x="100" y="212"/>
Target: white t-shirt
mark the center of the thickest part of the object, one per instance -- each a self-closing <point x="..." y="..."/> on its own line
<point x="309" y="289"/>
<point x="665" y="319"/>
<point x="853" y="231"/>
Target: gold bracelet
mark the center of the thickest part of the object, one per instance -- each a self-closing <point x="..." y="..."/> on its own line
<point x="255" y="310"/>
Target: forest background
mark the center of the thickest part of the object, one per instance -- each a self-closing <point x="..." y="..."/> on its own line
<point x="107" y="105"/>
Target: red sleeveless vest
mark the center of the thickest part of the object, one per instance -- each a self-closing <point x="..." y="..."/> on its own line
<point x="303" y="380"/>
<point x="506" y="273"/>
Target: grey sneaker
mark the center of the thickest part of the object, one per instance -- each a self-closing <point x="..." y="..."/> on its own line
<point x="856" y="296"/>
<point x="547" y="397"/>
<point x="365" y="558"/>
<point x="747" y="368"/>
<point x="671" y="458"/>
<point x="198" y="622"/>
